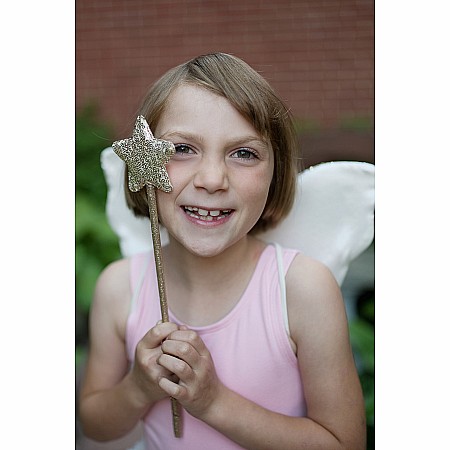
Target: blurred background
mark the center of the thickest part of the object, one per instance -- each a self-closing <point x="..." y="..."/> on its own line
<point x="317" y="55"/>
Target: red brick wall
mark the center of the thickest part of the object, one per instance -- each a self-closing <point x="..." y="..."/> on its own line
<point x="318" y="55"/>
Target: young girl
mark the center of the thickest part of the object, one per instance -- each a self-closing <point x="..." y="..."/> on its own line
<point x="256" y="360"/>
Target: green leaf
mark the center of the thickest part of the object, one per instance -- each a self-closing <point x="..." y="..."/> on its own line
<point x="362" y="337"/>
<point x="96" y="243"/>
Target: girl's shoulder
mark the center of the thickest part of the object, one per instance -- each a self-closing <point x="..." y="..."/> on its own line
<point x="307" y="273"/>
<point x="114" y="277"/>
<point x="112" y="295"/>
<point x="313" y="294"/>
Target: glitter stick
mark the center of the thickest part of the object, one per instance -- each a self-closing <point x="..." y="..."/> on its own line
<point x="154" y="225"/>
<point x="146" y="158"/>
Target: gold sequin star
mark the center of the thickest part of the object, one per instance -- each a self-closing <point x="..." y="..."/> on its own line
<point x="145" y="157"/>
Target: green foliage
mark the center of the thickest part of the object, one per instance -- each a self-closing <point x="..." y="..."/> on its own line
<point x="96" y="244"/>
<point x="304" y="125"/>
<point x="362" y="335"/>
<point x="356" y="123"/>
<point x="91" y="137"/>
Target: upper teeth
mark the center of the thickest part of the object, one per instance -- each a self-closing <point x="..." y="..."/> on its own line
<point x="205" y="212"/>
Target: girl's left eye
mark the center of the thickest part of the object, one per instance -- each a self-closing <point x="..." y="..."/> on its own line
<point x="182" y="149"/>
<point x="244" y="153"/>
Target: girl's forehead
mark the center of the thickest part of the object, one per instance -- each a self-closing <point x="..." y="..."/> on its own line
<point x="193" y="108"/>
<point x="190" y="95"/>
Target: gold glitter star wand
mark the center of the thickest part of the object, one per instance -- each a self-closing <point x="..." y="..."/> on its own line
<point x="146" y="158"/>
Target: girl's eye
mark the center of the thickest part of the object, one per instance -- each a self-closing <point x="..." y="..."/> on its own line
<point x="182" y="149"/>
<point x="244" y="153"/>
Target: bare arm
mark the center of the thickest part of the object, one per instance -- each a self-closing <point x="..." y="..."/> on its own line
<point x="112" y="399"/>
<point x="319" y="328"/>
<point x="318" y="325"/>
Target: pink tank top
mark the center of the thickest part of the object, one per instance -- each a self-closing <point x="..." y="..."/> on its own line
<point x="249" y="346"/>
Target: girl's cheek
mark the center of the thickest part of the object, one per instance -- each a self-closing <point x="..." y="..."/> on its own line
<point x="177" y="172"/>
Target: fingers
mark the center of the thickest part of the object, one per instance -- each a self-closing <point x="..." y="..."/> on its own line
<point x="186" y="356"/>
<point x="177" y="349"/>
<point x="148" y="349"/>
<point x="157" y="334"/>
<point x="171" y="388"/>
<point x="183" y="370"/>
<point x="147" y="371"/>
<point x="183" y="353"/>
<point x="185" y="336"/>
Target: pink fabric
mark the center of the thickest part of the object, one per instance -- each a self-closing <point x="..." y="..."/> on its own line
<point x="250" y="348"/>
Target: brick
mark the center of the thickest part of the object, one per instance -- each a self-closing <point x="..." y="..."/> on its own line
<point x="317" y="55"/>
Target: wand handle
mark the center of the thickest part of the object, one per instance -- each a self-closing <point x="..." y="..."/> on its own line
<point x="153" y="213"/>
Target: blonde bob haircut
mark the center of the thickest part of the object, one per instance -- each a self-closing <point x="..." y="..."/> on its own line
<point x="251" y="95"/>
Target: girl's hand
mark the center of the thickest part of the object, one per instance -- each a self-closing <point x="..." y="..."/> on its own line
<point x="147" y="372"/>
<point x="186" y="356"/>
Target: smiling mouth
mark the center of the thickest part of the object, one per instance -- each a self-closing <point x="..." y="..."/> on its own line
<point x="207" y="215"/>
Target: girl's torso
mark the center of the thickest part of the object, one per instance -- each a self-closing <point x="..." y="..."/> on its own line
<point x="249" y="345"/>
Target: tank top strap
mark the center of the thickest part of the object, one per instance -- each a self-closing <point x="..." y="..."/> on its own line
<point x="282" y="283"/>
<point x="284" y="259"/>
<point x="139" y="266"/>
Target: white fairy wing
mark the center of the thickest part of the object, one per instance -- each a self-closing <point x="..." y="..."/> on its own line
<point x="133" y="232"/>
<point x="332" y="219"/>
<point x="333" y="216"/>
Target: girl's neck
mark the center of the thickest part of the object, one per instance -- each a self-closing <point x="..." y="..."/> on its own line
<point x="202" y="290"/>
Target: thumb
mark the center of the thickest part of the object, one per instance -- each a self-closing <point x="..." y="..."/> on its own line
<point x="154" y="337"/>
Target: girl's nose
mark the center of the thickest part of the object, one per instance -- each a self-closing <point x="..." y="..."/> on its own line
<point x="211" y="175"/>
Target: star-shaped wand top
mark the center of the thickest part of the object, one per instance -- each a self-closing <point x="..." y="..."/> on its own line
<point x="145" y="157"/>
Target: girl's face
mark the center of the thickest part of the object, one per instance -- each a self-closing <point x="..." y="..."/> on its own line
<point x="221" y="171"/>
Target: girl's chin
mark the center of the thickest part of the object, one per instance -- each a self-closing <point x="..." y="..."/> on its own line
<point x="205" y="248"/>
